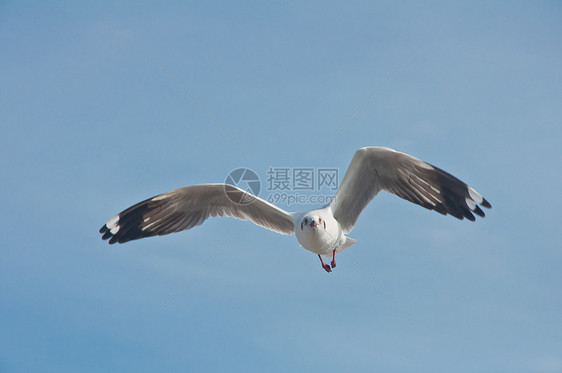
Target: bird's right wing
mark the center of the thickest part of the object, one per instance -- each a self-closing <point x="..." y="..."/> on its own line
<point x="184" y="208"/>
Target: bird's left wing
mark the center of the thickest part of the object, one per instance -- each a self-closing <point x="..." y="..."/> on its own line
<point x="373" y="169"/>
<point x="187" y="207"/>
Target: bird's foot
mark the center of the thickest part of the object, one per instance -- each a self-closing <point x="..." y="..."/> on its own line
<point x="333" y="264"/>
<point x="324" y="265"/>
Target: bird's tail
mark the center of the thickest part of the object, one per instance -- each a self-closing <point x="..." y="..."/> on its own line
<point x="347" y="244"/>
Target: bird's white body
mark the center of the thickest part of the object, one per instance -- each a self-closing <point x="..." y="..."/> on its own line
<point x="319" y="232"/>
<point x="322" y="231"/>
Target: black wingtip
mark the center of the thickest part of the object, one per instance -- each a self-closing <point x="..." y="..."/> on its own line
<point x="106" y="235"/>
<point x="469" y="216"/>
<point x="478" y="211"/>
<point x="486" y="204"/>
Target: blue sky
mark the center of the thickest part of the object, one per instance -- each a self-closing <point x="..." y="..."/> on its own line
<point x="96" y="116"/>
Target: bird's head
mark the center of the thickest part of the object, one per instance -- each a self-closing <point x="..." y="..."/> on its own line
<point x="312" y="221"/>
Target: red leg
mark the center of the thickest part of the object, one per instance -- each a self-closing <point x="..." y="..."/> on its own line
<point x="325" y="266"/>
<point x="333" y="264"/>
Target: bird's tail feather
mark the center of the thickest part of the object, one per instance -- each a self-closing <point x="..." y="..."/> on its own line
<point x="348" y="243"/>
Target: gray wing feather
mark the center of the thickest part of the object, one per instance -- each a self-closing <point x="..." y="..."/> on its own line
<point x="373" y="169"/>
<point x="187" y="207"/>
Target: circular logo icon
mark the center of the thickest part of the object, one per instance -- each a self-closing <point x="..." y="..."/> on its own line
<point x="245" y="179"/>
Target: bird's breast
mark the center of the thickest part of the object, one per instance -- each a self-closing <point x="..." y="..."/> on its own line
<point x="318" y="240"/>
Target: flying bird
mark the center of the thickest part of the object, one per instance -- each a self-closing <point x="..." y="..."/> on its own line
<point x="323" y="231"/>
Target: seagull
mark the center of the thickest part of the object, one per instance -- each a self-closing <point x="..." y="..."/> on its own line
<point x="323" y="231"/>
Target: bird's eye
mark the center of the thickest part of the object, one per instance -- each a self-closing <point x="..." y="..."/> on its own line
<point x="305" y="221"/>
